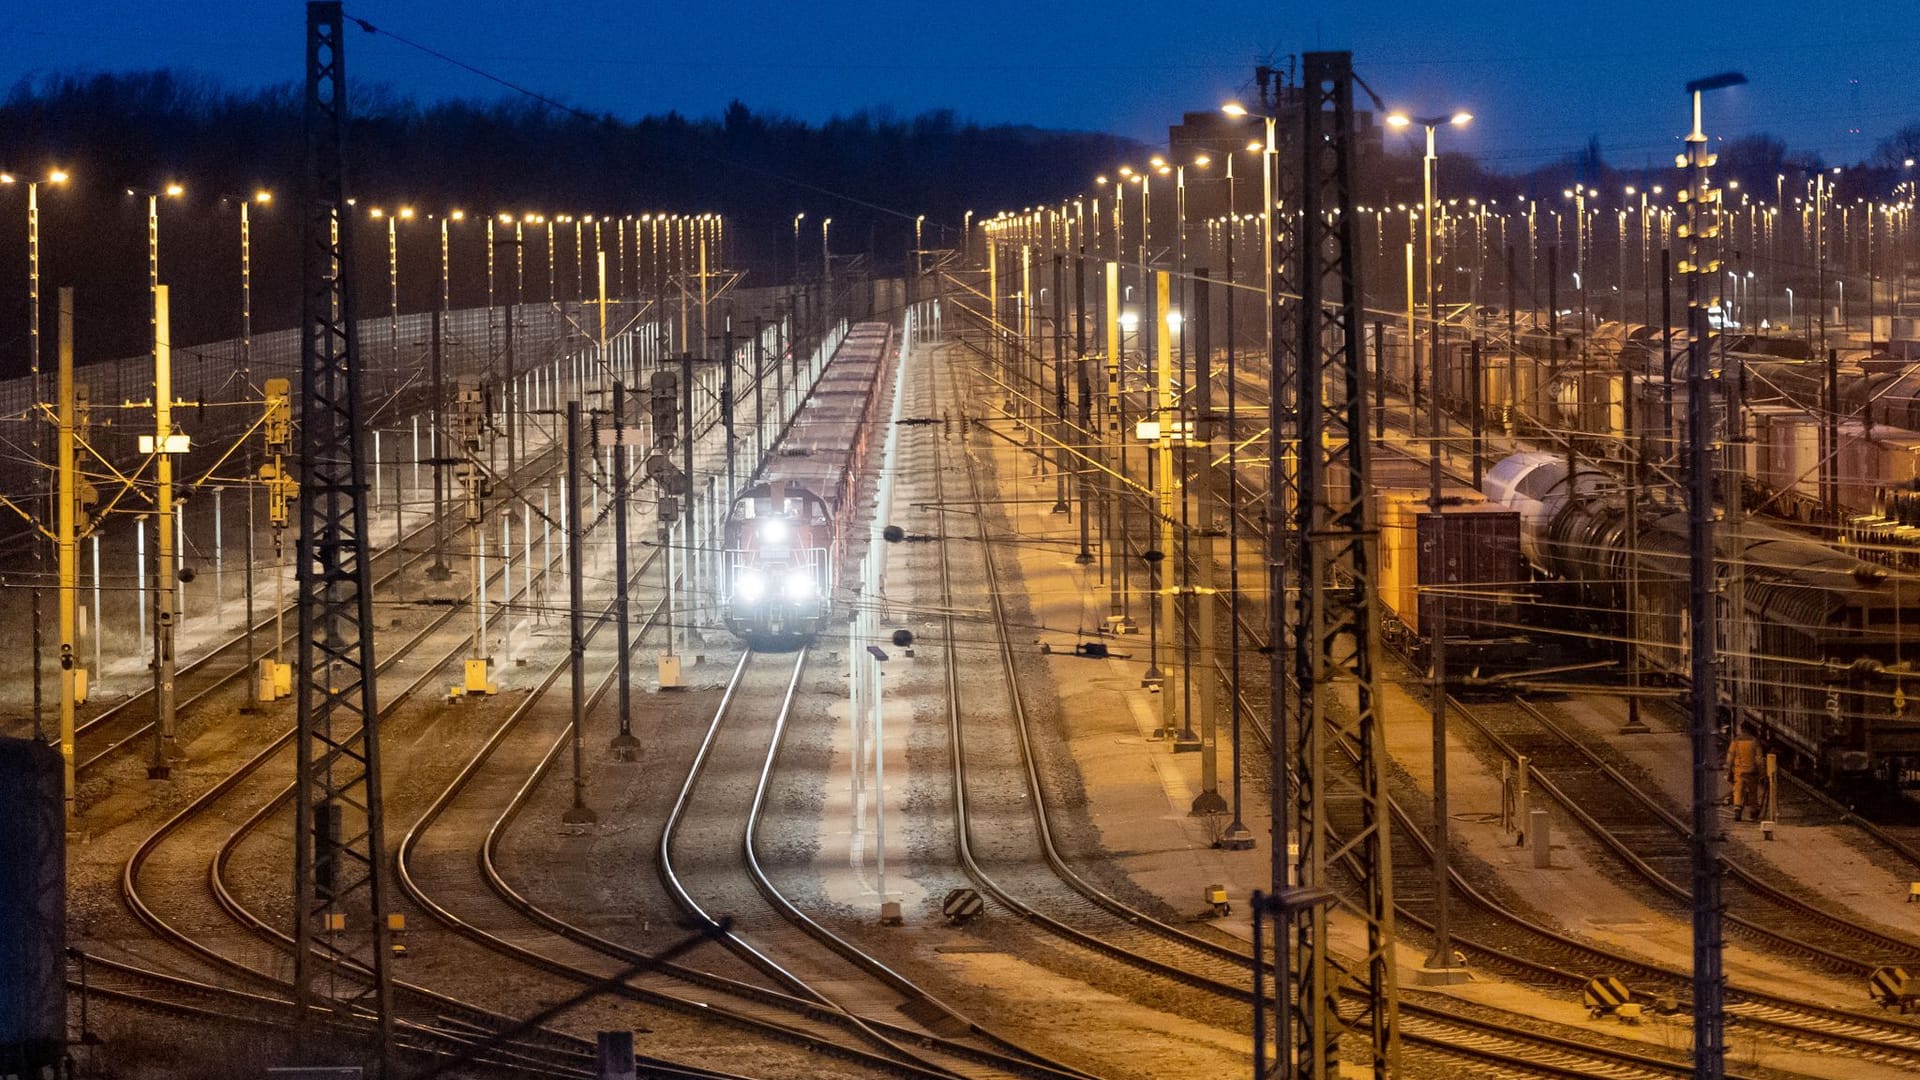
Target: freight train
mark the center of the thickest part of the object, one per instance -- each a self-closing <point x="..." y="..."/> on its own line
<point x="1816" y="658"/>
<point x="785" y="532"/>
<point x="1828" y="439"/>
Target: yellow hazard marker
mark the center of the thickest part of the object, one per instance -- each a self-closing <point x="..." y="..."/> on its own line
<point x="1605" y="994"/>
<point x="1892" y="986"/>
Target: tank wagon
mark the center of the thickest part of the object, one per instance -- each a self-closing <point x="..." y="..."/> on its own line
<point x="1820" y="653"/>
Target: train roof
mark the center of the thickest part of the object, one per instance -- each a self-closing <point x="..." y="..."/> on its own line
<point x="819" y="447"/>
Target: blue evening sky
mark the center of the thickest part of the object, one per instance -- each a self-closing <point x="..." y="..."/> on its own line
<point x="1540" y="76"/>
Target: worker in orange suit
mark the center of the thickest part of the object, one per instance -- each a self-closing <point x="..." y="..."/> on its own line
<point x="1745" y="772"/>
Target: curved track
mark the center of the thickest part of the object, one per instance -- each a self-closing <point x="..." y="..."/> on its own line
<point x="120" y="726"/>
<point x="1117" y="929"/>
<point x="1502" y="939"/>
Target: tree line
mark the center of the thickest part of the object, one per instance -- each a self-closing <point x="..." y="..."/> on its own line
<point x="871" y="171"/>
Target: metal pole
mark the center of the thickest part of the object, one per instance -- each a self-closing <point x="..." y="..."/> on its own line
<point x="512" y="404"/>
<point x="1083" y="387"/>
<point x="578" y="813"/>
<point x="727" y="401"/>
<point x="219" y="555"/>
<point x="1440" y="961"/>
<point x="686" y="510"/>
<point x="1475" y="405"/>
<point x="439" y="571"/>
<point x="1709" y="1020"/>
<point x="1258" y="903"/>
<point x="759" y="394"/>
<point x="246" y="581"/>
<point x="98" y="631"/>
<point x="1513" y="356"/>
<point x="1061" y="465"/>
<point x="1160" y="480"/>
<point x="1201" y="594"/>
<point x="625" y="746"/>
<point x="1635" y="476"/>
<point x="68" y="551"/>
<point x="37" y="519"/>
<point x="165" y="749"/>
<point x="1433" y="298"/>
<point x="1237" y="836"/>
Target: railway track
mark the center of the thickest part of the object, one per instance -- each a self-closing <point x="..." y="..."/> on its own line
<point x="121" y="726"/>
<point x="1653" y="840"/>
<point x="1137" y="938"/>
<point x="485" y="799"/>
<point x="257" y="956"/>
<point x="1501" y="939"/>
<point x="139" y="988"/>
<point x="177" y="852"/>
<point x="771" y="932"/>
<point x="496" y="786"/>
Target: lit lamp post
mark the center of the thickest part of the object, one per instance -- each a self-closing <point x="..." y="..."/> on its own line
<point x="439" y="571"/>
<point x="263" y="197"/>
<point x="1428" y="217"/>
<point x="164" y="445"/>
<point x="826" y="252"/>
<point x="1101" y="182"/>
<point x="1237" y="836"/>
<point x="56" y="176"/>
<point x="797" y="218"/>
<point x="1278" y="515"/>
<point x="1578" y="193"/>
<point x="1441" y="966"/>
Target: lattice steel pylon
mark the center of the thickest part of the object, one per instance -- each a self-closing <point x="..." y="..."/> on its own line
<point x="1334" y="632"/>
<point x="339" y="861"/>
<point x="1280" y="191"/>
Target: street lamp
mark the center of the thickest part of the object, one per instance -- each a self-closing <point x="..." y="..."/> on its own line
<point x="1428" y="163"/>
<point x="1278" y="576"/>
<point x="165" y="748"/>
<point x="826" y="253"/>
<point x="1440" y="964"/>
<point x="796" y="244"/>
<point x="1200" y="161"/>
<point x="55" y="176"/>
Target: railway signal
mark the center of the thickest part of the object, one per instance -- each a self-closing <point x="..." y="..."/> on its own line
<point x="663" y="406"/>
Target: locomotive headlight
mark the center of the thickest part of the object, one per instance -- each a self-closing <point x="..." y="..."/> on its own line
<point x="799" y="585"/>
<point x="750" y="586"/>
<point x="773" y="531"/>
